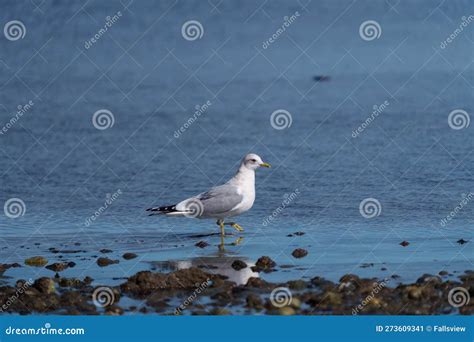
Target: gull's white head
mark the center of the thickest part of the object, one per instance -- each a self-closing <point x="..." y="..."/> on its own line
<point x="252" y="162"/>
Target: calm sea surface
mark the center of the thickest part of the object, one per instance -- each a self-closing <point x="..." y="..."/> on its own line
<point x="142" y="70"/>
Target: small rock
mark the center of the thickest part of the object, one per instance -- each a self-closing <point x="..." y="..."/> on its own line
<point x="414" y="292"/>
<point x="265" y="262"/>
<point x="44" y="285"/>
<point x="69" y="282"/>
<point x="105" y="250"/>
<point x="58" y="266"/>
<point x="201" y="244"/>
<point x="443" y="273"/>
<point x="114" y="310"/>
<point x="295" y="303"/>
<point x="299" y="233"/>
<point x="37" y="261"/>
<point x="462" y="241"/>
<point x="299" y="253"/>
<point x="220" y="312"/>
<point x="257" y="283"/>
<point x="404" y="243"/>
<point x="349" y="278"/>
<point x="238" y="265"/>
<point x="349" y="282"/>
<point x="286" y="311"/>
<point x="320" y="282"/>
<point x="332" y="298"/>
<point x="129" y="256"/>
<point x="428" y="278"/>
<point x="297" y="284"/>
<point x="102" y="262"/>
<point x="321" y="78"/>
<point x="254" y="301"/>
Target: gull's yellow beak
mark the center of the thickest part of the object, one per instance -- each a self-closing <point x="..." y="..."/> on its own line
<point x="265" y="165"/>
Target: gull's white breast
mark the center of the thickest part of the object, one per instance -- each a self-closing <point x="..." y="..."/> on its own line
<point x="246" y="188"/>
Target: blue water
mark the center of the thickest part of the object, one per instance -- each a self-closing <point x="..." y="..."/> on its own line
<point x="151" y="79"/>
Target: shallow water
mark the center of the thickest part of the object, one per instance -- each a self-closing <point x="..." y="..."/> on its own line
<point x="408" y="158"/>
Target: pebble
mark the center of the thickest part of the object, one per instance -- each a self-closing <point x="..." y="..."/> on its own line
<point x="299" y="253"/>
<point x="36" y="261"/>
<point x="286" y="311"/>
<point x="265" y="262"/>
<point x="129" y="256"/>
<point x="238" y="265"/>
<point x="60" y="266"/>
<point x="201" y="244"/>
<point x="321" y="78"/>
<point x="102" y="262"/>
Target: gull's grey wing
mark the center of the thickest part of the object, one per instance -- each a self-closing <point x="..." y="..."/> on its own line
<point x="219" y="200"/>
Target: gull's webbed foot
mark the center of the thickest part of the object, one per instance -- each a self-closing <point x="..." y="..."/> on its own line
<point x="235" y="226"/>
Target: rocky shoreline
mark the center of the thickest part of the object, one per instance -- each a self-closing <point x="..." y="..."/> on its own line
<point x="195" y="291"/>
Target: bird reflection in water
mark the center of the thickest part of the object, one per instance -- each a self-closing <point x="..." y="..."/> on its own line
<point x="217" y="264"/>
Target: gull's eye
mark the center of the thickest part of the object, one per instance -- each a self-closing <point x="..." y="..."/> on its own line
<point x="253" y="160"/>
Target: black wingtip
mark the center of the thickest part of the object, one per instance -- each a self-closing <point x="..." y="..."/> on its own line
<point x="164" y="210"/>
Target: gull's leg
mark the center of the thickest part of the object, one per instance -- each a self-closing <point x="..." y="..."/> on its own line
<point x="220" y="223"/>
<point x="235" y="226"/>
<point x="221" y="245"/>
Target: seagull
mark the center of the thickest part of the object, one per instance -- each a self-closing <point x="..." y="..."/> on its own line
<point x="221" y="202"/>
